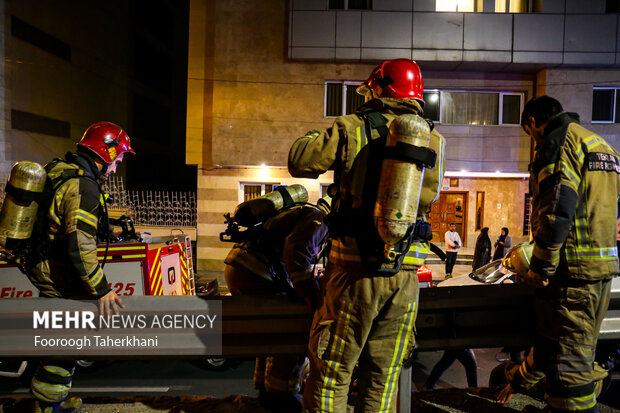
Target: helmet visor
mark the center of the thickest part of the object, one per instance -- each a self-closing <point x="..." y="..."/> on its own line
<point x="363" y="89"/>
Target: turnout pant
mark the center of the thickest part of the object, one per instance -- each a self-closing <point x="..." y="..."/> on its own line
<point x="569" y="317"/>
<point x="52" y="380"/>
<point x="363" y="316"/>
<point x="277" y="375"/>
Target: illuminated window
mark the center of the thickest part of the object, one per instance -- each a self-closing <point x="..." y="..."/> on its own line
<point x="341" y="98"/>
<point x="455" y="5"/>
<point x="254" y="190"/>
<point x="511" y="6"/>
<point x="478" y="108"/>
<point x="479" y="210"/>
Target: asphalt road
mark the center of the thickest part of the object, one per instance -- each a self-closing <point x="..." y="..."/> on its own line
<point x="125" y="378"/>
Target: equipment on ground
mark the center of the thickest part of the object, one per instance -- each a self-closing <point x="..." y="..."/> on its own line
<point x="24" y="191"/>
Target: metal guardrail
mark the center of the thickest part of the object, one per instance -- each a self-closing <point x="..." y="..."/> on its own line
<point x="452" y="317"/>
<point x="469" y="317"/>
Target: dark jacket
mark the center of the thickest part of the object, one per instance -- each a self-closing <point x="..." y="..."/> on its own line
<point x="482" y="250"/>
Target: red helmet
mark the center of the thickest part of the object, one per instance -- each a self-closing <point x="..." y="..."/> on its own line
<point x="107" y="140"/>
<point x="399" y="79"/>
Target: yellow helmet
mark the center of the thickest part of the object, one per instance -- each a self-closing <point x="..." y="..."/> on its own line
<point x="518" y="258"/>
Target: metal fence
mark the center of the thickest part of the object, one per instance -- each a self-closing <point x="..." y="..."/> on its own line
<point x="160" y="208"/>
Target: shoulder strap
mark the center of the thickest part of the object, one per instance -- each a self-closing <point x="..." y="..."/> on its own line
<point x="374" y="120"/>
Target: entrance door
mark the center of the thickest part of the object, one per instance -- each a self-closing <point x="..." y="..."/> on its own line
<point x="450" y="207"/>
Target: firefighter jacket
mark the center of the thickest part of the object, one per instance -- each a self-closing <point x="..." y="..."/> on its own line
<point x="337" y="148"/>
<point x="285" y="248"/>
<point x="575" y="186"/>
<point x="72" y="269"/>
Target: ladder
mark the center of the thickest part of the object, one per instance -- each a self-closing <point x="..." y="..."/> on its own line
<point x="191" y="285"/>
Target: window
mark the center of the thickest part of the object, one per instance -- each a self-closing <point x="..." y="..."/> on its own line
<point x="456" y="5"/>
<point x="479" y="210"/>
<point x="527" y="211"/>
<point x="254" y="190"/>
<point x="341" y="98"/>
<point x="473" y="108"/>
<point x="511" y="6"/>
<point x="31" y="122"/>
<point x="350" y="4"/>
<point x="431" y="105"/>
<point x="40" y="39"/>
<point x="500" y="6"/>
<point x="606" y="105"/>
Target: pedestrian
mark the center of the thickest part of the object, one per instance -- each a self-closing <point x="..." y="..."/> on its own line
<point x="367" y="308"/>
<point x="71" y="269"/>
<point x="502" y="245"/>
<point x="453" y="243"/>
<point x="575" y="186"/>
<point x="279" y="260"/>
<point x="482" y="250"/>
<point x="465" y="356"/>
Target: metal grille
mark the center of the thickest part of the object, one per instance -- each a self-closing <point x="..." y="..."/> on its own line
<point x="160" y="208"/>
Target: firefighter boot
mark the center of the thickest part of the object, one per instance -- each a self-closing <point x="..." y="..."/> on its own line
<point x="70" y="405"/>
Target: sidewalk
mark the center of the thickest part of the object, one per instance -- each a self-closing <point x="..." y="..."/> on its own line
<point x="463" y="266"/>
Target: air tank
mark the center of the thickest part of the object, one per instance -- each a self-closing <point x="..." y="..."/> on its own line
<point x="400" y="184"/>
<point x="250" y="213"/>
<point x="19" y="210"/>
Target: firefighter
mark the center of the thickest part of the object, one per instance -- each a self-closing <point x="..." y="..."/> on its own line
<point x="575" y="188"/>
<point x="366" y="311"/>
<point x="282" y="253"/>
<point x="71" y="268"/>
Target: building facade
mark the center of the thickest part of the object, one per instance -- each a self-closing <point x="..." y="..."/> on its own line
<point x="261" y="74"/>
<point x="68" y="64"/>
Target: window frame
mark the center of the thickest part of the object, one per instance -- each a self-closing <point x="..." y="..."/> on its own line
<point x="345" y="84"/>
<point x="500" y="103"/>
<point x="613" y="108"/>
<point x="262" y="184"/>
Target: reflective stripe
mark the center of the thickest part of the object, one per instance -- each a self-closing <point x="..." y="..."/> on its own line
<point x="573" y="178"/>
<point x="530" y="377"/>
<point x="58" y="371"/>
<point x="593" y="141"/>
<point x="121" y="248"/>
<point x="337" y="349"/>
<point x="84" y="216"/>
<point x="358" y="134"/>
<point x="591" y="253"/>
<point x="397" y="358"/>
<point x="546" y="172"/>
<point x="96" y="278"/>
<point x="572" y="403"/>
<point x="50" y="388"/>
<point x="417" y="254"/>
<point x="341" y="252"/>
<point x="441" y="152"/>
<point x="580" y="155"/>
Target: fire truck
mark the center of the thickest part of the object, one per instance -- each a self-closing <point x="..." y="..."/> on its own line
<point x="131" y="268"/>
